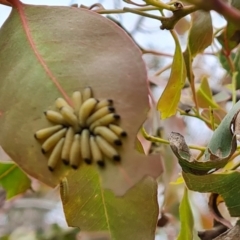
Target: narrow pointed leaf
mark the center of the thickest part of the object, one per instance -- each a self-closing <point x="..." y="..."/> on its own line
<point x="200" y="36"/>
<point x="168" y="102"/>
<point x="204" y="95"/>
<point x="186" y="218"/>
<point x="201" y="32"/>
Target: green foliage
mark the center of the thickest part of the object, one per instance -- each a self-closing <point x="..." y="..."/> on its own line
<point x="101" y="210"/>
<point x="186" y="218"/>
<point x="204" y="95"/>
<point x="226" y="184"/>
<point x="13" y="179"/>
<point x="201" y="33"/>
<point x="175" y="84"/>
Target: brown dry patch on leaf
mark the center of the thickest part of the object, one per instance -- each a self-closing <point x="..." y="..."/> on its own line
<point x="79" y="48"/>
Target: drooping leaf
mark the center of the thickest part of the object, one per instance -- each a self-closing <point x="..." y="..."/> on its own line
<point x="186" y="218"/>
<point x="187" y="161"/>
<point x="13" y="179"/>
<point x="58" y="50"/>
<point x="225" y="184"/>
<point x="201" y="33"/>
<point x="91" y="208"/>
<point x="200" y="36"/>
<point x="204" y="95"/>
<point x="218" y="152"/>
<point x="168" y="102"/>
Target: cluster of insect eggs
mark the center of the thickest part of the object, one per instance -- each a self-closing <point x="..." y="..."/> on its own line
<point x="87" y="131"/>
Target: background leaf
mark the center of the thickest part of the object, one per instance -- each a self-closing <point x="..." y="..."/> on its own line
<point x="186" y="218"/>
<point x="168" y="102"/>
<point x="201" y="33"/>
<point x="13" y="179"/>
<point x="204" y="95"/>
<point x="74" y="57"/>
<point x="133" y="216"/>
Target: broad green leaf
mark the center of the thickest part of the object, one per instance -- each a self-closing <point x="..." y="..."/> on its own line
<point x="59" y="50"/>
<point x="201" y="32"/>
<point x="204" y="95"/>
<point x="91" y="208"/>
<point x="186" y="218"/>
<point x="225" y="184"/>
<point x="13" y="179"/>
<point x="168" y="102"/>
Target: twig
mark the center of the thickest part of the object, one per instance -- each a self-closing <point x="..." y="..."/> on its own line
<point x="161" y="140"/>
<point x="167" y="22"/>
<point x="196" y="116"/>
<point x="149" y="51"/>
<point x="160" y="71"/>
<point x="234" y="83"/>
<point x="110" y="11"/>
<point x="161" y="5"/>
<point x="230" y="13"/>
<point x="132" y="10"/>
